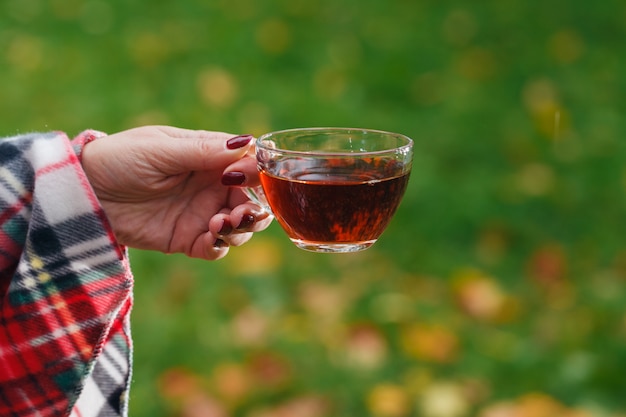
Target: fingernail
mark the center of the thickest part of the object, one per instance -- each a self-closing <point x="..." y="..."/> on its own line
<point x="238" y="141"/>
<point x="226" y="229"/>
<point x="219" y="243"/>
<point x="246" y="221"/>
<point x="233" y="178"/>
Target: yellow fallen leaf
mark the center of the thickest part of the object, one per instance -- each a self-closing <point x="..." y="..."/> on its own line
<point x="389" y="400"/>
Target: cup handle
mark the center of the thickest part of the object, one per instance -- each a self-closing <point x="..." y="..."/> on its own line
<point x="256" y="195"/>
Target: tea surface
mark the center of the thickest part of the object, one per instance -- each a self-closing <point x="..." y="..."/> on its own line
<point x="335" y="202"/>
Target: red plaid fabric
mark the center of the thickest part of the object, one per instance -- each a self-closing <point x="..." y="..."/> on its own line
<point x="65" y="286"/>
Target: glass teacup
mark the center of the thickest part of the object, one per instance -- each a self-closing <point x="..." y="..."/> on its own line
<point x="332" y="189"/>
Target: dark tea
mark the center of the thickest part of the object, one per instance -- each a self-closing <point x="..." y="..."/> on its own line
<point x="332" y="189"/>
<point x="344" y="201"/>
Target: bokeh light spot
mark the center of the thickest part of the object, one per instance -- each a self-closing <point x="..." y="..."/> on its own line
<point x="217" y="87"/>
<point x="430" y="342"/>
<point x="67" y="9"/>
<point x="265" y="252"/>
<point x="25" y="52"/>
<point x="444" y="399"/>
<point x="477" y="64"/>
<point x="148" y="48"/>
<point x="478" y="295"/>
<point x="566" y="46"/>
<point x="541" y="99"/>
<point x="366" y="347"/>
<point x="274" y="36"/>
<point x="389" y="400"/>
<point x="232" y="381"/>
<point x="459" y="27"/>
<point x="535" y="179"/>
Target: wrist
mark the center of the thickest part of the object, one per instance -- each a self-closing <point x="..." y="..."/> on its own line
<point x="84" y="138"/>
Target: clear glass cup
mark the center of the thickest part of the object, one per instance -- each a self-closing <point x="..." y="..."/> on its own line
<point x="332" y="189"/>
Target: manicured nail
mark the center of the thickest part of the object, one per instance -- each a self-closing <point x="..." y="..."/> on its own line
<point x="233" y="178"/>
<point x="219" y="243"/>
<point x="246" y="221"/>
<point x="238" y="141"/>
<point x="226" y="229"/>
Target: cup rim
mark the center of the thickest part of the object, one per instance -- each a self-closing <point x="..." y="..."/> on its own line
<point x="403" y="148"/>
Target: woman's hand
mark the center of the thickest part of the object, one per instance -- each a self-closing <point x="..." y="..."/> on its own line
<point x="175" y="190"/>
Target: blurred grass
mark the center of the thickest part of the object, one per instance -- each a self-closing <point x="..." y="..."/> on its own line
<point x="497" y="291"/>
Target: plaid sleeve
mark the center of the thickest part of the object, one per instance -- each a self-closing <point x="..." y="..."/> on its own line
<point x="65" y="286"/>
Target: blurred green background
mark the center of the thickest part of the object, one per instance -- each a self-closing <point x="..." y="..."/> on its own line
<point x="499" y="288"/>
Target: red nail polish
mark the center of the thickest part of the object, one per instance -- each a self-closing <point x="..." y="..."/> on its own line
<point x="219" y="243"/>
<point x="247" y="220"/>
<point x="226" y="229"/>
<point x="233" y="178"/>
<point x="238" y="141"/>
